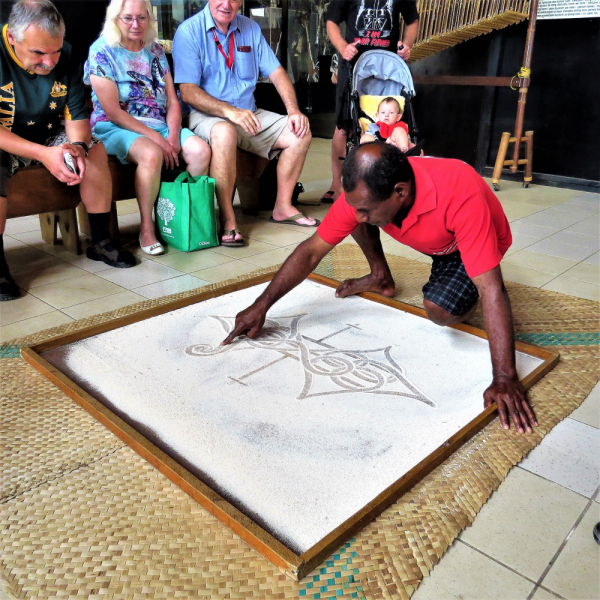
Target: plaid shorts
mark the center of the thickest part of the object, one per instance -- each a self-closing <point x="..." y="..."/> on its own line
<point x="449" y="286"/>
<point x="9" y="163"/>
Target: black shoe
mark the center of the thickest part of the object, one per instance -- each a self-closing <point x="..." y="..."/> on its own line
<point x="597" y="533"/>
<point x="9" y="290"/>
<point x="113" y="257"/>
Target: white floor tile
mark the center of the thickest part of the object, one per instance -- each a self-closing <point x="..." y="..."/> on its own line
<point x="26" y="256"/>
<point x="102" y="305"/>
<point x="574" y="287"/>
<point x="594" y="259"/>
<point x="577" y="239"/>
<point x="551" y="217"/>
<point x="32" y="325"/>
<point x="561" y="250"/>
<point x="524" y="523"/>
<point x="465" y="574"/>
<point x="577" y="209"/>
<point x="589" y="226"/>
<point x="570" y="456"/>
<point x="589" y="411"/>
<point x="590" y="200"/>
<point x="170" y="286"/>
<point x="25" y="307"/>
<point x="145" y="273"/>
<point x="11" y="242"/>
<point x="536" y="231"/>
<point x="521" y="240"/>
<point x="22" y="224"/>
<point x="576" y="572"/>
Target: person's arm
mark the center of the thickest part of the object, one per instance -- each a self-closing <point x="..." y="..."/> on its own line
<point x="78" y="131"/>
<point x="200" y="100"/>
<point x="108" y="96"/>
<point x="297" y="123"/>
<point x="50" y="157"/>
<point x="347" y="51"/>
<point x="408" y="41"/>
<point x="173" y="117"/>
<point x="506" y="389"/>
<point x="299" y="265"/>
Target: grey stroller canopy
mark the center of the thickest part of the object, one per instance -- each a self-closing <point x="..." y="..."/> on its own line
<point x="382" y="73"/>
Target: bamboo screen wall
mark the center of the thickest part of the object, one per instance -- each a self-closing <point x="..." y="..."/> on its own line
<point x="445" y="23"/>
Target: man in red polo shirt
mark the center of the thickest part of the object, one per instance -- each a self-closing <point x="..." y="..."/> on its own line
<point x="440" y="207"/>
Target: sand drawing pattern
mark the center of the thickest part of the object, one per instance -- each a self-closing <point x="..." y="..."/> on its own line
<point x="351" y="371"/>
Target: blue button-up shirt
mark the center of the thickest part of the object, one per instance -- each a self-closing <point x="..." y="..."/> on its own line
<point x="198" y="60"/>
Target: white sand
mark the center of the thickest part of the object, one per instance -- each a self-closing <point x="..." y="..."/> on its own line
<point x="295" y="443"/>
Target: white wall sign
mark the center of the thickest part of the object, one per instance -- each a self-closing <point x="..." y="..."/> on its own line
<point x="568" y="9"/>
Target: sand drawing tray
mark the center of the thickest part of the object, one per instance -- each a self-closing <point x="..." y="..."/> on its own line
<point x="300" y="438"/>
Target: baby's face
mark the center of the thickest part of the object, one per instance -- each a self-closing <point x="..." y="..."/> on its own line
<point x="388" y="113"/>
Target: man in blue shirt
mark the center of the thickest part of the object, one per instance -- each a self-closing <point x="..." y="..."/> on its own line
<point x="218" y="56"/>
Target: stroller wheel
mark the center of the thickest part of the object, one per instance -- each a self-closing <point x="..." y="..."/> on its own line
<point x="496" y="187"/>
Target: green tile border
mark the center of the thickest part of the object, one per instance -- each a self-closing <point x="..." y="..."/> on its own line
<point x="335" y="579"/>
<point x="10" y="351"/>
<point x="560" y="339"/>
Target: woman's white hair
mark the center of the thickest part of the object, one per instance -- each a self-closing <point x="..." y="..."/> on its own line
<point x="112" y="33"/>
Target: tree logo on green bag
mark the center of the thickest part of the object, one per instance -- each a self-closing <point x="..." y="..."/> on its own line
<point x="165" y="210"/>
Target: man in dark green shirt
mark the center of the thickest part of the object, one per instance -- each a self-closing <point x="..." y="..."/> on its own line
<point x="43" y="117"/>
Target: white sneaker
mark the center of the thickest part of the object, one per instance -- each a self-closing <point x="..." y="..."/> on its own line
<point x="155" y="249"/>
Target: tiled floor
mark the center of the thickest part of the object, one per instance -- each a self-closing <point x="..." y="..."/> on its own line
<point x="533" y="539"/>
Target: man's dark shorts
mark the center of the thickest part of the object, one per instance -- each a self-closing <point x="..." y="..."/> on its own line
<point x="449" y="286"/>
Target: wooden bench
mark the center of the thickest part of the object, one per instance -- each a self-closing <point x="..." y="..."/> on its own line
<point x="35" y="191"/>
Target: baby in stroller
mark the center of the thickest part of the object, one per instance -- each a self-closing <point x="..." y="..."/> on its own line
<point x="388" y="126"/>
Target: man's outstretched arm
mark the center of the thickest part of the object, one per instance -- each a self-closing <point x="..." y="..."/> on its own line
<point x="506" y="389"/>
<point x="299" y="265"/>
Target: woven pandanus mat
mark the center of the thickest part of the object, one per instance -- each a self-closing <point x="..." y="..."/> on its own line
<point x="82" y="515"/>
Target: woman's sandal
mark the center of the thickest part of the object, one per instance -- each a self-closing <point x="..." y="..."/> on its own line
<point x="328" y="197"/>
<point x="234" y="243"/>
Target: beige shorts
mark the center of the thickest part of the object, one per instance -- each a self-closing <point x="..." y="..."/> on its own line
<point x="261" y="143"/>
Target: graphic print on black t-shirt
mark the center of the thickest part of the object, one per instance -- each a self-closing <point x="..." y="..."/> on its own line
<point x="372" y="23"/>
<point x="374" y="19"/>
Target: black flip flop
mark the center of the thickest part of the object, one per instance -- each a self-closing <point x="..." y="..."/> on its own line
<point x="328" y="197"/>
<point x="232" y="243"/>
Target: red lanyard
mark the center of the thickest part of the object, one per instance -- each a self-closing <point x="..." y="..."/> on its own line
<point x="228" y="61"/>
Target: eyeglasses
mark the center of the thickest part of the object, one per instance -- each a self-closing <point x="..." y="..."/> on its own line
<point x="129" y="20"/>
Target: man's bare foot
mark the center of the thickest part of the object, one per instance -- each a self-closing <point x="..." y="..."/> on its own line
<point x="369" y="283"/>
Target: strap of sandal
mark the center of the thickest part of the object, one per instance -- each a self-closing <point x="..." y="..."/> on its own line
<point x="296" y="217"/>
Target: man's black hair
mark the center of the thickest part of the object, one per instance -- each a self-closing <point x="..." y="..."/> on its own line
<point x="380" y="173"/>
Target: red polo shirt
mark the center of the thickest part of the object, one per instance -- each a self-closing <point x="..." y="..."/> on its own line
<point x="454" y="209"/>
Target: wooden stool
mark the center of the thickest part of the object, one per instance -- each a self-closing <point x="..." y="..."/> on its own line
<point x="66" y="220"/>
<point x="501" y="162"/>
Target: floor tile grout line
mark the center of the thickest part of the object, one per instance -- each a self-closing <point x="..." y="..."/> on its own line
<point x="566" y="540"/>
<point x="497" y="561"/>
<point x="555" y="594"/>
<point x="518" y="466"/>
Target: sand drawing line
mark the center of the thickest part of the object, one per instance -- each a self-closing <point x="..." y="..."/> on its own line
<point x="351" y="371"/>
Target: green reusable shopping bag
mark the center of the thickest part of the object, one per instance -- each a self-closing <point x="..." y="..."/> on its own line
<point x="186" y="212"/>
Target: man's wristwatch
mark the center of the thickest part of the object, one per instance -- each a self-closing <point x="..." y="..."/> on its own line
<point x="83" y="145"/>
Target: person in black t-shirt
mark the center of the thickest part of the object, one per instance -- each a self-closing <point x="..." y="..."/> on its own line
<point x="43" y="119"/>
<point x="370" y="25"/>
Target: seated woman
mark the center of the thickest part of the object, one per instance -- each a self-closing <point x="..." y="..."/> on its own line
<point x="136" y="111"/>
